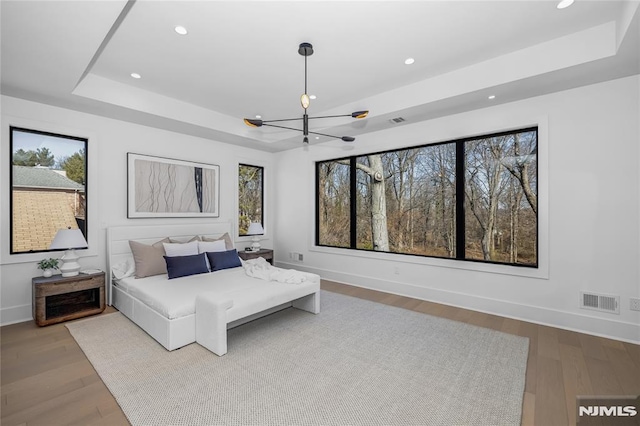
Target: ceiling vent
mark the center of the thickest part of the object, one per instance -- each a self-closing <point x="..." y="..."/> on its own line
<point x="397" y="120"/>
<point x="600" y="302"/>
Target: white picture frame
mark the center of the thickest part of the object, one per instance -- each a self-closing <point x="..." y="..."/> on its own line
<point x="164" y="187"/>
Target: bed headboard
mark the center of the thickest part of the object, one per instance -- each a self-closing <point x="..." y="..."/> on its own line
<point x="118" y="239"/>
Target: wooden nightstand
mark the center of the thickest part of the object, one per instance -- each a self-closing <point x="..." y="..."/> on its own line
<point x="57" y="298"/>
<point x="266" y="253"/>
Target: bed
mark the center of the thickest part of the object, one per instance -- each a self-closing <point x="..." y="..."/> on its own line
<point x="170" y="310"/>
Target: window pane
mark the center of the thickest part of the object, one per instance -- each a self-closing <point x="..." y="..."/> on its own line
<point x="47" y="188"/>
<point x="501" y="198"/>
<point x="433" y="205"/>
<point x="334" y="203"/>
<point x="250" y="196"/>
<point x="406" y="201"/>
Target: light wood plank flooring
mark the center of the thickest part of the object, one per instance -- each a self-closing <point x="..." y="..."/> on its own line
<point x="47" y="380"/>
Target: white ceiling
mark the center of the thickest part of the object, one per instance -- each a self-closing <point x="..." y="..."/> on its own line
<point x="240" y="59"/>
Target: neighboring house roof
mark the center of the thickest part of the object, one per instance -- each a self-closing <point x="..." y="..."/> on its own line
<point x="41" y="177"/>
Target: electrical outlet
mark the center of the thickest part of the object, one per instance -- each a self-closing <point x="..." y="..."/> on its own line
<point x="296" y="256"/>
<point x="634" y="304"/>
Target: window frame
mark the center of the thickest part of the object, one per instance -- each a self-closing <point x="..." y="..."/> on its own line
<point x="460" y="227"/>
<point x="262" y="169"/>
<point x="85" y="140"/>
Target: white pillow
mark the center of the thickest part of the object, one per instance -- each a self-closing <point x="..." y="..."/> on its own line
<point x="178" y="249"/>
<point x="205" y="246"/>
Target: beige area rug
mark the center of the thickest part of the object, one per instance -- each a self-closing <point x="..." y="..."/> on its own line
<point x="356" y="363"/>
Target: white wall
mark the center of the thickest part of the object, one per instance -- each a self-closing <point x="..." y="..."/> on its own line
<point x="589" y="214"/>
<point x="109" y="142"/>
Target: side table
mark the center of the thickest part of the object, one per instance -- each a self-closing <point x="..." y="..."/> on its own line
<point x="57" y="298"/>
<point x="266" y="253"/>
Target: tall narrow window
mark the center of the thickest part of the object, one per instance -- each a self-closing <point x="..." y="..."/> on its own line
<point x="469" y="199"/>
<point x="250" y="196"/>
<point x="334" y="203"/>
<point x="48" y="187"/>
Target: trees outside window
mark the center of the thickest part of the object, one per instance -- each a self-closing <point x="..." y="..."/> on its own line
<point x="48" y="187"/>
<point x="406" y="201"/>
<point x="501" y="198"/>
<point x="334" y="203"/>
<point x="250" y="196"/>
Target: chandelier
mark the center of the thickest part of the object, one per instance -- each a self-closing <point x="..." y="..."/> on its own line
<point x="306" y="50"/>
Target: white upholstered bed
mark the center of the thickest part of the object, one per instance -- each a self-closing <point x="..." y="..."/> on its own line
<point x="167" y="309"/>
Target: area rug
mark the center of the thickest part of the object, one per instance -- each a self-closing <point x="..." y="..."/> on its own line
<point x="355" y="363"/>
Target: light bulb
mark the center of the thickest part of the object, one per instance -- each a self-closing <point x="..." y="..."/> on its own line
<point x="305" y="101"/>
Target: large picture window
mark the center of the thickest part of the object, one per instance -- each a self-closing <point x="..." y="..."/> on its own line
<point x="471" y="199"/>
<point x="48" y="188"/>
<point x="250" y="197"/>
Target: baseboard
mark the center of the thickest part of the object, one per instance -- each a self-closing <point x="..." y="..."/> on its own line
<point x="15" y="314"/>
<point x="602" y="327"/>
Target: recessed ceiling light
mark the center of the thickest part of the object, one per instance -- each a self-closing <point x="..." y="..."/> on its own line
<point x="181" y="30"/>
<point x="409" y="61"/>
<point x="564" y="3"/>
<point x="312" y="97"/>
<point x="492" y="96"/>
<point x="135" y="75"/>
<point x="258" y="116"/>
<point x="317" y="137"/>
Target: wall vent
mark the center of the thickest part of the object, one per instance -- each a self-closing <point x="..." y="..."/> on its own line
<point x="600" y="302"/>
<point x="397" y="120"/>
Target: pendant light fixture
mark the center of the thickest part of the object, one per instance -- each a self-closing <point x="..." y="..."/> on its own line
<point x="306" y="50"/>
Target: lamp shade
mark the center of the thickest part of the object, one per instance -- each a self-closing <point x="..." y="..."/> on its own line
<point x="68" y="239"/>
<point x="255" y="229"/>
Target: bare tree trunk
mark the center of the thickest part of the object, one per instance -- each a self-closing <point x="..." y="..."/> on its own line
<point x="484" y="193"/>
<point x="378" y="205"/>
<point x="514" y="224"/>
<point x="488" y="238"/>
<point x="379" y="230"/>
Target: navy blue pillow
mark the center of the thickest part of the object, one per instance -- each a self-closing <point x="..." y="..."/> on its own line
<point x="223" y="259"/>
<point x="182" y="266"/>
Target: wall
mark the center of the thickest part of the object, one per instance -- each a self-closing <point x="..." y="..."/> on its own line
<point x="109" y="142"/>
<point x="589" y="213"/>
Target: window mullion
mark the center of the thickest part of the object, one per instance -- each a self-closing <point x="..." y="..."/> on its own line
<point x="352" y="203"/>
<point x="460" y="216"/>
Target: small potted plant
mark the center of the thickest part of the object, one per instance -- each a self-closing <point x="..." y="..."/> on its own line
<point x="47" y="266"/>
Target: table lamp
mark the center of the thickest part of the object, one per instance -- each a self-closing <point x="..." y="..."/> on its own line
<point x="69" y="240"/>
<point x="255" y="229"/>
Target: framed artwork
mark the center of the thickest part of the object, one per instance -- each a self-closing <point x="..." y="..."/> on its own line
<point x="164" y="187"/>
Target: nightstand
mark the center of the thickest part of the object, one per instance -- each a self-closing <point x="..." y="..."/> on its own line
<point x="57" y="298"/>
<point x="266" y="253"/>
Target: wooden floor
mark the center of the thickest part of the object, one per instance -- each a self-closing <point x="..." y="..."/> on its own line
<point x="47" y="380"/>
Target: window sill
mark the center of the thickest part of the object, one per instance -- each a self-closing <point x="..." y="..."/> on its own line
<point x="11" y="259"/>
<point x="542" y="272"/>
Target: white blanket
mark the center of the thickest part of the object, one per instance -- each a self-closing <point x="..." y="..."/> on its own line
<point x="260" y="268"/>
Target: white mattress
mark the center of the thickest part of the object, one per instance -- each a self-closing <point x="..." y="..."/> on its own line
<point x="177" y="297"/>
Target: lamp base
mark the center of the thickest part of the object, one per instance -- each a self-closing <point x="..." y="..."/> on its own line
<point x="70" y="266"/>
<point x="255" y="244"/>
